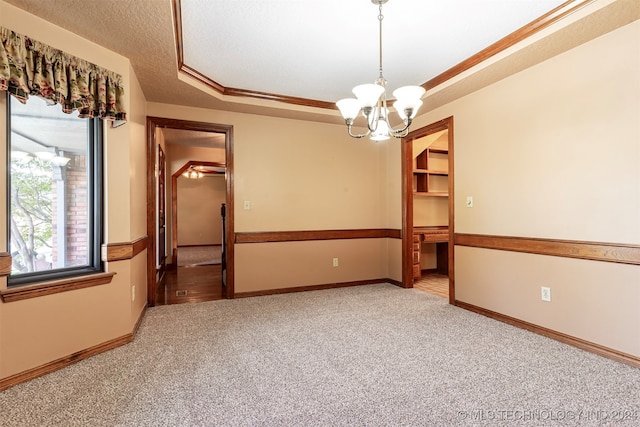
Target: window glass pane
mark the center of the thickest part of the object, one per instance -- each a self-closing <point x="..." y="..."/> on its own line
<point x="49" y="210"/>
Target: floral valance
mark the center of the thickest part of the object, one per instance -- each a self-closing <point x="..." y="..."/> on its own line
<point x="28" y="67"/>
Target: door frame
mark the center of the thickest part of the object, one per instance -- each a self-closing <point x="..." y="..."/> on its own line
<point x="407" y="198"/>
<point x="153" y="123"/>
<point x="161" y="188"/>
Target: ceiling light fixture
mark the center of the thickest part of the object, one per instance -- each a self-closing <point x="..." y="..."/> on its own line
<point x="372" y="101"/>
<point x="192" y="173"/>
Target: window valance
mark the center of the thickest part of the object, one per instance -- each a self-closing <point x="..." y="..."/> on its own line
<point x="29" y="67"/>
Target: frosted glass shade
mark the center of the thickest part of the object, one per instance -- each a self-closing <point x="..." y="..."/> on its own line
<point x="402" y="108"/>
<point x="349" y="108"/>
<point x="409" y="95"/>
<point x="368" y="94"/>
<point x="381" y="133"/>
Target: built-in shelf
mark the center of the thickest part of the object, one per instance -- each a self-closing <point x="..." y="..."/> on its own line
<point x="428" y="179"/>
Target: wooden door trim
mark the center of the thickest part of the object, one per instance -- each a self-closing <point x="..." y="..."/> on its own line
<point x="174" y="201"/>
<point x="153" y="123"/>
<point x="407" y="205"/>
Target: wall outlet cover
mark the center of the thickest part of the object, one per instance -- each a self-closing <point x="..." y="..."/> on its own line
<point x="545" y="293"/>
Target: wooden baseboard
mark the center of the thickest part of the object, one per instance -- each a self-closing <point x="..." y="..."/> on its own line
<point x="558" y="336"/>
<point x="314" y="288"/>
<point x="63" y="362"/>
<point x="139" y="321"/>
<point x="394" y="282"/>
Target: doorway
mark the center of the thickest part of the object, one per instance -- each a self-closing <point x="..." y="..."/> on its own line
<point x="157" y="129"/>
<point x="198" y="190"/>
<point x="428" y="227"/>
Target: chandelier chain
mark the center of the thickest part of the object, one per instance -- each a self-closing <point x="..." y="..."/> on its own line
<point x="380" y="18"/>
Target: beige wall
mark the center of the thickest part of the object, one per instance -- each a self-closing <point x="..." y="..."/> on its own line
<point x="554" y="152"/>
<point x="261" y="266"/>
<point x="40" y="330"/>
<point x="199" y="200"/>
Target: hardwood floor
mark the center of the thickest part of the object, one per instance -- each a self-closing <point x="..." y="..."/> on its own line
<point x="191" y="284"/>
<point x="204" y="283"/>
<point x="433" y="283"/>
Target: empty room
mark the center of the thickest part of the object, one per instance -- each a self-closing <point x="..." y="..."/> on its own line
<point x="363" y="212"/>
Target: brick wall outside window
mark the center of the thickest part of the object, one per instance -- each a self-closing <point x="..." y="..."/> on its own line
<point x="76" y="215"/>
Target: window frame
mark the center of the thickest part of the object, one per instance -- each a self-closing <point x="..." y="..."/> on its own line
<point x="95" y="214"/>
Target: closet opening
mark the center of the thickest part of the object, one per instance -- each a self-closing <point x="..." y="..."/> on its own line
<point x="428" y="209"/>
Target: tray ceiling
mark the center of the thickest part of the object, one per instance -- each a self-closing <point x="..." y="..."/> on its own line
<point x="313" y="50"/>
<point x="320" y="50"/>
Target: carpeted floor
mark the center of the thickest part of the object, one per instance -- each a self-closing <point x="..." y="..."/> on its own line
<point x="371" y="355"/>
<point x="199" y="255"/>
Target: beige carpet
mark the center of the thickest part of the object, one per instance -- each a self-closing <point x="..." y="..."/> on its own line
<point x="373" y="355"/>
<point x="199" y="255"/>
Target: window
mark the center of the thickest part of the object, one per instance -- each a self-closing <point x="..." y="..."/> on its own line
<point x="54" y="191"/>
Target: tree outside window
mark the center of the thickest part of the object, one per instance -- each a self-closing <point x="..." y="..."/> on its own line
<point x="52" y="190"/>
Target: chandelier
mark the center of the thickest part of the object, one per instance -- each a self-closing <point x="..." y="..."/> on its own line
<point x="372" y="101"/>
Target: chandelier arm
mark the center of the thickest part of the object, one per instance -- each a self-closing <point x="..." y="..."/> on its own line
<point x="361" y="135"/>
<point x="372" y="119"/>
<point x="399" y="133"/>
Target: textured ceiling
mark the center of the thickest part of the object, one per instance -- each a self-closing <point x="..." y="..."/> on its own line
<point x="320" y="50"/>
<point x="316" y="50"/>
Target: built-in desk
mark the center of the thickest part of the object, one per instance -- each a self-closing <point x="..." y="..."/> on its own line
<point x="437" y="235"/>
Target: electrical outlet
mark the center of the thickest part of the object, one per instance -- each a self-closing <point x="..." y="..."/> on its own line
<point x="133" y="293"/>
<point x="545" y="294"/>
<point x="335" y="262"/>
